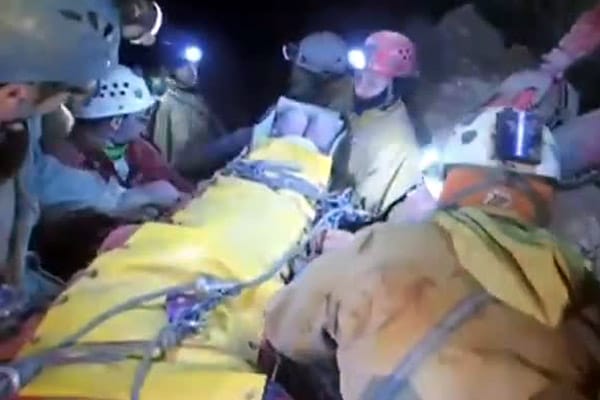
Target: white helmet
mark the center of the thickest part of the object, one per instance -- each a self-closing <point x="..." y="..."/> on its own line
<point x="505" y="138"/>
<point x="320" y="52"/>
<point x="122" y="92"/>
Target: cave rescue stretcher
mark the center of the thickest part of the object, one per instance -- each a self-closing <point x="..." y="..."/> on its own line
<point x="177" y="312"/>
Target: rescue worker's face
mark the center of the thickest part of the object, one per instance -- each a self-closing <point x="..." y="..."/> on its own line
<point x="98" y="137"/>
<point x="131" y="127"/>
<point x="368" y="84"/>
<point x="17" y="101"/>
<point x="187" y="74"/>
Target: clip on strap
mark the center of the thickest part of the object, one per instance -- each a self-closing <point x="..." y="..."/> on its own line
<point x="13" y="376"/>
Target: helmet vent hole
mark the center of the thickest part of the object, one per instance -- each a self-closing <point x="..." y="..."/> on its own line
<point x="93" y="18"/>
<point x="122" y="93"/>
<point x="112" y="94"/>
<point x="72" y="15"/>
<point x="126" y="85"/>
<point x="104" y="87"/>
<point x="116" y="85"/>
<point x="468" y="136"/>
<point x="108" y="31"/>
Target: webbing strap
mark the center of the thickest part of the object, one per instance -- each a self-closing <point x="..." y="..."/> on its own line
<point x="276" y="176"/>
<point x="398" y="382"/>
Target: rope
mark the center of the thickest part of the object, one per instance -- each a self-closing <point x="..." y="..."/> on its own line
<point x="215" y="291"/>
<point x="275" y="175"/>
<point x="332" y="211"/>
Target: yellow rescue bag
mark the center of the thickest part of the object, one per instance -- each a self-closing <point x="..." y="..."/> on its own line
<point x="237" y="230"/>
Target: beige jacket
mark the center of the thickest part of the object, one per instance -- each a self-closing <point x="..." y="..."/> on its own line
<point x="381" y="296"/>
<point x="184" y="124"/>
<point x="384" y="155"/>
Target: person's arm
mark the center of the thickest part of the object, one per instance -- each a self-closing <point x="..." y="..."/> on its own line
<point x="216" y="154"/>
<point x="580" y="41"/>
<point x="150" y="166"/>
<point x="63" y="188"/>
<point x="301" y="321"/>
<point x="59" y="184"/>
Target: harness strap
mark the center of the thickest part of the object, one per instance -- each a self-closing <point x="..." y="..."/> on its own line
<point x="276" y="176"/>
<point x="561" y="111"/>
<point x="503" y="177"/>
<point x="397" y="384"/>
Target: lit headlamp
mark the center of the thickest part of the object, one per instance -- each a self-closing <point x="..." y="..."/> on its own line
<point x="519" y="137"/>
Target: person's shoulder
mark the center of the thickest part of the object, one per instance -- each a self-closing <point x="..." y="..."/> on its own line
<point x="399" y="235"/>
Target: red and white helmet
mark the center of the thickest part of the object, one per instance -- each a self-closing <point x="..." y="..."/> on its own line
<point x="391" y="54"/>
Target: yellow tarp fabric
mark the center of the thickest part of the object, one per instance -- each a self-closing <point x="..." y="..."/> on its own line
<point x="236" y="230"/>
<point x="523" y="266"/>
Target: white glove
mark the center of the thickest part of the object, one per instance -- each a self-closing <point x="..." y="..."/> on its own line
<point x="161" y="193"/>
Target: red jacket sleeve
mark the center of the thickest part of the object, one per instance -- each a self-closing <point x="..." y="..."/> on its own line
<point x="150" y="166"/>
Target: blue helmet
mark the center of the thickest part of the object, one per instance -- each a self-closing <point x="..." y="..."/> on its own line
<point x="65" y="41"/>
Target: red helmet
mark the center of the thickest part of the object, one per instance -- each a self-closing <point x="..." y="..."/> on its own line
<point x="391" y="54"/>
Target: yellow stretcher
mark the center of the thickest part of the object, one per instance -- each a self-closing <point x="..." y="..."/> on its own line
<point x="237" y="230"/>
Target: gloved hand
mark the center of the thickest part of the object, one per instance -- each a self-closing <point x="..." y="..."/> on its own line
<point x="556" y="62"/>
<point x="146" y="202"/>
<point x="161" y="194"/>
<point x="516" y="85"/>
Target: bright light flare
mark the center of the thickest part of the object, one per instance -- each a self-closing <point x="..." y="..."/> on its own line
<point x="357" y="59"/>
<point x="193" y="54"/>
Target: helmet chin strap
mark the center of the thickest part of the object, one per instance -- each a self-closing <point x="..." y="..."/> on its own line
<point x="116" y="122"/>
<point x="380" y="101"/>
<point x="505" y="178"/>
